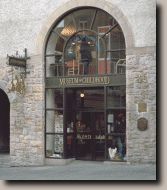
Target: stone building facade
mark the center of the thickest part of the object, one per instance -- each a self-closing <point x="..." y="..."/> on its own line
<point x="27" y="24"/>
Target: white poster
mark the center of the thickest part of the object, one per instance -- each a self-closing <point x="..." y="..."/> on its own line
<point x="110" y="118"/>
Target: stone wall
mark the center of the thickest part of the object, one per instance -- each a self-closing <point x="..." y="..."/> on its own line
<point x="33" y="108"/>
<point x="26" y="114"/>
<point x="141" y="88"/>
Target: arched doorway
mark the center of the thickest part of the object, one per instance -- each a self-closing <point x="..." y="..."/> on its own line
<point x="4" y="122"/>
<point x="85" y="109"/>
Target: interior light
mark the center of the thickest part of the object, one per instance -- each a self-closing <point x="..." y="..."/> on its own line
<point x="82" y="95"/>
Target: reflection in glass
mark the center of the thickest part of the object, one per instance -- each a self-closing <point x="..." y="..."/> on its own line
<point x="102" y="35"/>
<point x="54" y="98"/>
<point x="66" y="27"/>
<point x="80" y="54"/>
<point x="54" y="121"/>
<point x="54" y="65"/>
<point x="84" y="18"/>
<point x="113" y="97"/>
<point x="54" y="146"/>
<point x="103" y="19"/>
<point x="116" y="129"/>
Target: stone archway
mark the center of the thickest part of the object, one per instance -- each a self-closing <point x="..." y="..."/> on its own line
<point x="4" y="123"/>
<point x="109" y="7"/>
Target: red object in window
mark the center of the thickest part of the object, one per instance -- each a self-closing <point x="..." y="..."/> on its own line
<point x="104" y="67"/>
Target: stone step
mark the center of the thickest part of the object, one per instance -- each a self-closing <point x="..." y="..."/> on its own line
<point x="4" y="160"/>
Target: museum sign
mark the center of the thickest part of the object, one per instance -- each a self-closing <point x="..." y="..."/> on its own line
<point x="84" y="81"/>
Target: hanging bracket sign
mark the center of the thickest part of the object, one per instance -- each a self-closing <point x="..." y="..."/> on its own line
<point x="14" y="61"/>
<point x="18" y="61"/>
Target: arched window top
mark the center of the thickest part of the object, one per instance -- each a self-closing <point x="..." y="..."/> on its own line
<point x="86" y="41"/>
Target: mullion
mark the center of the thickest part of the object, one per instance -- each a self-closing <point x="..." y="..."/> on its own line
<point x="93" y="19"/>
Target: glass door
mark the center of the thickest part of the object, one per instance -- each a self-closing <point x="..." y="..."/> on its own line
<point x="99" y="136"/>
<point x="84" y="123"/>
<point x="84" y="135"/>
<point x="90" y="135"/>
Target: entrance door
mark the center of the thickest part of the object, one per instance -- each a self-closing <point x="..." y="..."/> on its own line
<point x="90" y="136"/>
<point x="85" y="123"/>
<point x="4" y="122"/>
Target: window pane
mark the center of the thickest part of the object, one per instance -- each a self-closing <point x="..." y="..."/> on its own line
<point x="113" y="96"/>
<point x="116" y="129"/>
<point x="54" y="146"/>
<point x="123" y="96"/>
<point x="80" y="54"/>
<point x="53" y="40"/>
<point x="54" y="121"/>
<point x="116" y="120"/>
<point x="83" y="18"/>
<point x="54" y="65"/>
<point x="66" y="27"/>
<point x="103" y="19"/>
<point x="54" y="98"/>
<point x="90" y="98"/>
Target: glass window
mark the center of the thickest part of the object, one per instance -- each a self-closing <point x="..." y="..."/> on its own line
<point x="116" y="96"/>
<point x="84" y="18"/>
<point x="54" y="121"/>
<point x="54" y="145"/>
<point x="116" y="134"/>
<point x="80" y="54"/>
<point x="113" y="97"/>
<point x="54" y="98"/>
<point x="85" y="122"/>
<point x="103" y="19"/>
<point x="87" y="41"/>
<point x="90" y="98"/>
<point x="54" y="65"/>
<point x="66" y="27"/>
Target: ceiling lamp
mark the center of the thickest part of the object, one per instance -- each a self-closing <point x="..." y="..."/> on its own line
<point x="68" y="31"/>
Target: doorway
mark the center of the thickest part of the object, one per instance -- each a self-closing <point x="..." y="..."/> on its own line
<point x="94" y="123"/>
<point x="90" y="136"/>
<point x="85" y="111"/>
<point x="4" y="122"/>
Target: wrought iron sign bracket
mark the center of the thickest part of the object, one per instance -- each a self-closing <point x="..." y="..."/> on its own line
<point x="19" y="61"/>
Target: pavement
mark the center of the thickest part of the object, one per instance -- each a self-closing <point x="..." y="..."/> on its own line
<point x="81" y="170"/>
